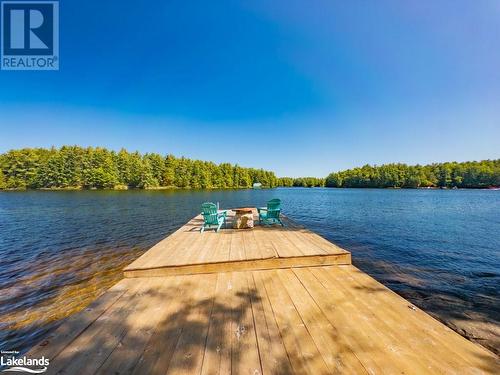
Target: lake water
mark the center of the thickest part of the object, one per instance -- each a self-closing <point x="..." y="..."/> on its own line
<point x="438" y="248"/>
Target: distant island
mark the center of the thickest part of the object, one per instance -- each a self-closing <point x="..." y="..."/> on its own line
<point x="473" y="174"/>
<point x="75" y="167"/>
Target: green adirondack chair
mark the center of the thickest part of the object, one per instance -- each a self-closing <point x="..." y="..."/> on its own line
<point x="212" y="217"/>
<point x="271" y="213"/>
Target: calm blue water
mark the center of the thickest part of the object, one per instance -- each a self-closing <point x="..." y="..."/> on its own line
<point x="59" y="250"/>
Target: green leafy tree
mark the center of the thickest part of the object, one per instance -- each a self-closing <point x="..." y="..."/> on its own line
<point x="75" y="166"/>
<point x="285" y="181"/>
<point x="227" y="175"/>
<point x="123" y="167"/>
<point x="3" y="185"/>
<point x="147" y="178"/>
<point x="168" y="178"/>
<point x="480" y="174"/>
<point x="157" y="166"/>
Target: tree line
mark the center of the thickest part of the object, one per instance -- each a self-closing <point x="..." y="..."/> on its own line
<point x="473" y="174"/>
<point x="88" y="168"/>
<point x="301" y="182"/>
<point x="78" y="167"/>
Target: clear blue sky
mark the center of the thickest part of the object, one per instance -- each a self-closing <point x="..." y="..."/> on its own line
<point x="298" y="87"/>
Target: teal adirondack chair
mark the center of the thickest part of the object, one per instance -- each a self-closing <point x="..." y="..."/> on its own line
<point x="271" y="213"/>
<point x="211" y="217"/>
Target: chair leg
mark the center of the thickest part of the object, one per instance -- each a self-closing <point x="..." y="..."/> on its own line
<point x="202" y="229"/>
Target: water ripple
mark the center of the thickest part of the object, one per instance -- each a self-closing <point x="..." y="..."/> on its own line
<point x="61" y="250"/>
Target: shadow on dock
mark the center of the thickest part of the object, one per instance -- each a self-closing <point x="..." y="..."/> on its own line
<point x="272" y="300"/>
<point x="200" y="334"/>
<point x="260" y="322"/>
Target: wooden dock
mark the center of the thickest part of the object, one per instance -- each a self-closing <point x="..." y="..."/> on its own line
<point x="188" y="252"/>
<point x="270" y="300"/>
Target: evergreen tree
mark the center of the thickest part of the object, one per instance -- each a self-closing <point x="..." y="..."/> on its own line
<point x="123" y="167"/>
<point x="481" y="174"/>
<point x="157" y="166"/>
<point x="168" y="178"/>
<point x="75" y="167"/>
<point x="137" y="178"/>
<point x="147" y="175"/>
<point x="3" y="184"/>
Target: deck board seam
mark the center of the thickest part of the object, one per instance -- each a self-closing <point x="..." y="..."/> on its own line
<point x="209" y="320"/>
<point x="255" y="326"/>
<point x="319" y="307"/>
<point x="310" y="256"/>
<point x="274" y="279"/>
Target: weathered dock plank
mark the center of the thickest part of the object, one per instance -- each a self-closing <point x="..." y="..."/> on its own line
<point x="267" y="301"/>
<point x="188" y="252"/>
<point x="308" y="320"/>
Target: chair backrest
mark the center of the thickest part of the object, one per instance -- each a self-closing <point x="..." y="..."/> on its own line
<point x="209" y="212"/>
<point x="273" y="208"/>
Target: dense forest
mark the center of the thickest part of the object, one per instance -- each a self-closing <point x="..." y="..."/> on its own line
<point x="473" y="174"/>
<point x="78" y="167"/>
<point x="301" y="182"/>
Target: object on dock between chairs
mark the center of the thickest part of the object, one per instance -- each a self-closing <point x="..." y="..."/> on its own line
<point x="243" y="219"/>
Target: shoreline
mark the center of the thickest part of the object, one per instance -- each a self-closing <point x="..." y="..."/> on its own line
<point x="126" y="188"/>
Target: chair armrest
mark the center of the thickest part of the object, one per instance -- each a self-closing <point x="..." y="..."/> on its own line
<point x="222" y="213"/>
<point x="261" y="209"/>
